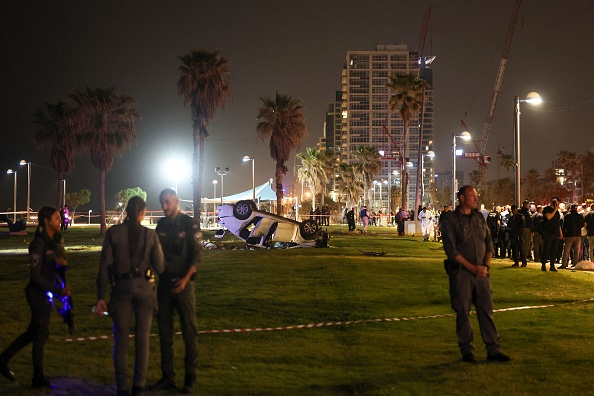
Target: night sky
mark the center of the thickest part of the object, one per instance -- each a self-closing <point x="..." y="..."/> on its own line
<point x="50" y="47"/>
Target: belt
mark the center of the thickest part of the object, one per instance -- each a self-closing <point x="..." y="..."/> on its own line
<point x="127" y="276"/>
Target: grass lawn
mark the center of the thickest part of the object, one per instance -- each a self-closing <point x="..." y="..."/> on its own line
<point x="551" y="348"/>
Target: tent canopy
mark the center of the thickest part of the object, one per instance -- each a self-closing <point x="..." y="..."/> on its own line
<point x="264" y="192"/>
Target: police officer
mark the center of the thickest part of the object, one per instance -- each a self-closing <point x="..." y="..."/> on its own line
<point x="130" y="253"/>
<point x="46" y="252"/>
<point x="180" y="237"/>
<point x="468" y="245"/>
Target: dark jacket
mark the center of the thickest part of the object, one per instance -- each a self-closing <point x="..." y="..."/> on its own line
<point x="180" y="238"/>
<point x="572" y="224"/>
<point x="466" y="235"/>
<point x="43" y="253"/>
<point x="516" y="224"/>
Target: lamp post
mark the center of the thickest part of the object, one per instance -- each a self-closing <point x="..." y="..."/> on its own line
<point x="23" y="162"/>
<point x="464" y="136"/>
<point x="245" y="159"/>
<point x="10" y="171"/>
<point x="222" y="173"/>
<point x="90" y="211"/>
<point x="214" y="196"/>
<point x="533" y="98"/>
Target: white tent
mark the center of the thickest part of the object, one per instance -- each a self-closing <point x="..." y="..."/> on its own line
<point x="264" y="192"/>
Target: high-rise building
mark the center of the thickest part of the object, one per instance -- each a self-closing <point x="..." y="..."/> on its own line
<point x="365" y="118"/>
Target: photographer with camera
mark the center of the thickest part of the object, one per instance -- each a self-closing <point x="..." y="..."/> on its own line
<point x="130" y="253"/>
<point x="551" y="234"/>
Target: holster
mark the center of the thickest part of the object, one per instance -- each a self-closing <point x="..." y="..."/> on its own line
<point x="450" y="266"/>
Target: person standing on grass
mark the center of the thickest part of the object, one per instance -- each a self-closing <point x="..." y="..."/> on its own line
<point x="364" y="216"/>
<point x="516" y="225"/>
<point x="551" y="234"/>
<point x="129" y="255"/>
<point x="589" y="224"/>
<point x="426" y="222"/>
<point x="468" y="246"/>
<point x="572" y="235"/>
<point x="350" y="216"/>
<point x="46" y="253"/>
<point x="180" y="237"/>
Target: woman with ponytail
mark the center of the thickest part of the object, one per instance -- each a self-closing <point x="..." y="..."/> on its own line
<point x="46" y="253"/>
<point x="130" y="253"/>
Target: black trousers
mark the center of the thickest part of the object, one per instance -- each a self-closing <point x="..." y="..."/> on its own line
<point x="549" y="250"/>
<point x="37" y="332"/>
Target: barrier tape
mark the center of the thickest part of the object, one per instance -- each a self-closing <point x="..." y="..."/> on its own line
<point x="340" y="323"/>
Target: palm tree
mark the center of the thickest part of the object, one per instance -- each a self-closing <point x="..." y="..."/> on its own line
<point x="507" y="162"/>
<point x="328" y="163"/>
<point x="107" y="127"/>
<point x="350" y="184"/>
<point x="57" y="130"/>
<point x="368" y="164"/>
<point x="204" y="86"/>
<point x="311" y="171"/>
<point x="408" y="93"/>
<point x="281" y="119"/>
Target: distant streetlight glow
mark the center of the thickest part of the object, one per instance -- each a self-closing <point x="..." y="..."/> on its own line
<point x="10" y="172"/>
<point x="464" y="136"/>
<point x="247" y="158"/>
<point x="533" y="98"/>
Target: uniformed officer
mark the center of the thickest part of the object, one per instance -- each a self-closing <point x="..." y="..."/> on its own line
<point x="180" y="237"/>
<point x="130" y="253"/>
<point x="468" y="245"/>
<point x="46" y="252"/>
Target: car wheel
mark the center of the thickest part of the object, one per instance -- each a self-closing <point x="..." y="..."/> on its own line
<point x="243" y="209"/>
<point x="308" y="228"/>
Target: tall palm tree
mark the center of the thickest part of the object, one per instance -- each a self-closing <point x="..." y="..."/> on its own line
<point x="407" y="99"/>
<point x="350" y="184"/>
<point x="57" y="129"/>
<point x="281" y="119"/>
<point x="107" y="127"/>
<point x="507" y="162"/>
<point x="204" y="85"/>
<point x="311" y="171"/>
<point x="369" y="164"/>
<point x="328" y="170"/>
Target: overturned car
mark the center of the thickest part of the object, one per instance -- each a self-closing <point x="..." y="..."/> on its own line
<point x="266" y="230"/>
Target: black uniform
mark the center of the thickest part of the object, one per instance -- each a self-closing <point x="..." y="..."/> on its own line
<point x="551" y="232"/>
<point x="516" y="225"/>
<point x="351" y="220"/>
<point x="43" y="253"/>
<point x="180" y="239"/>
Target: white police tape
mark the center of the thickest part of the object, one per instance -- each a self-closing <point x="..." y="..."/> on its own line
<point x="340" y="323"/>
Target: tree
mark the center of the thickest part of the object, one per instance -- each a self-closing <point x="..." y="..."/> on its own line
<point x="76" y="199"/>
<point x="532" y="183"/>
<point x="407" y="98"/>
<point x="204" y="85"/>
<point x="107" y="129"/>
<point x="124" y="196"/>
<point x="57" y="129"/>
<point x="312" y="171"/>
<point x="350" y="184"/>
<point x="507" y="162"/>
<point x="368" y="164"/>
<point x="476" y="177"/>
<point x="281" y="120"/>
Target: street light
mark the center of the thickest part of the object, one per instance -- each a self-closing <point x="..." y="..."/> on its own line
<point x="245" y="159"/>
<point x="533" y="98"/>
<point x="464" y="136"/>
<point x="222" y="173"/>
<point x="90" y="211"/>
<point x="10" y="171"/>
<point x="23" y="162"/>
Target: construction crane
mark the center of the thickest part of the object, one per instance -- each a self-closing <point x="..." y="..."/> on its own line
<point x="481" y="145"/>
